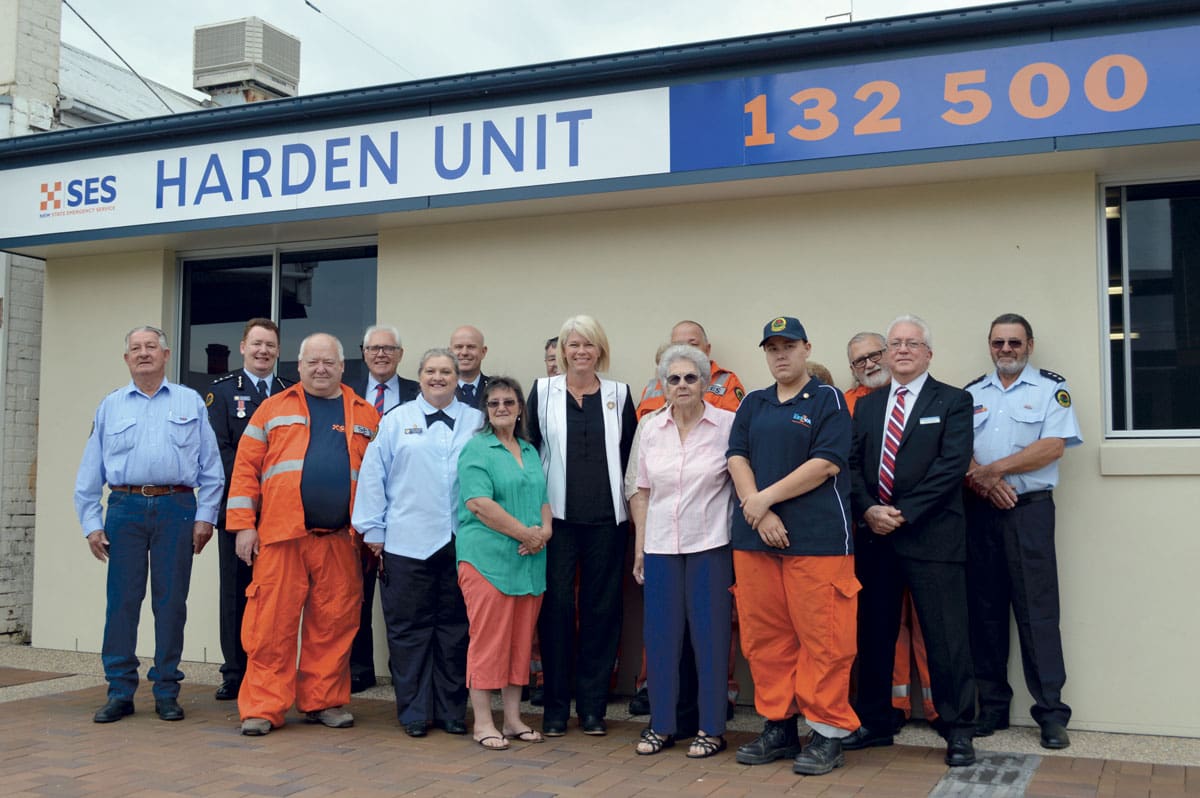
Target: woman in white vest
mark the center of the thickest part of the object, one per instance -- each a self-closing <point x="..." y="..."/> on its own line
<point x="583" y="426"/>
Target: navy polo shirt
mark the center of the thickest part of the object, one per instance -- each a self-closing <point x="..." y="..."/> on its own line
<point x="777" y="439"/>
<point x="325" y="481"/>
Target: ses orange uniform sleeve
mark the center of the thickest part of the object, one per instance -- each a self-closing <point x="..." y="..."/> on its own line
<point x="264" y="491"/>
<point x="725" y="391"/>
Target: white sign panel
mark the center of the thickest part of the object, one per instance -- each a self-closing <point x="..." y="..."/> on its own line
<point x="587" y="138"/>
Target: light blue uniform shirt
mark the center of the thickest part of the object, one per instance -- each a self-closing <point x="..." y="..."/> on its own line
<point x="1007" y="420"/>
<point x="407" y="497"/>
<point x="164" y="439"/>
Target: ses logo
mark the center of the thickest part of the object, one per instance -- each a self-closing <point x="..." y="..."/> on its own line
<point x="81" y="195"/>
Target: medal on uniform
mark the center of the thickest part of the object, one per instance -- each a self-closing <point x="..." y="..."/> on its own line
<point x="241" y="405"/>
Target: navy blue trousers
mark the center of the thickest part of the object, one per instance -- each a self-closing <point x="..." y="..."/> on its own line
<point x="153" y="533"/>
<point x="689" y="590"/>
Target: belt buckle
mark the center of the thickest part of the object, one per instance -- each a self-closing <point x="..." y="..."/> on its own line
<point x="143" y="489"/>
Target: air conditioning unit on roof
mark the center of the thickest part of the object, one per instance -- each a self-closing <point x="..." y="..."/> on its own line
<point x="246" y="53"/>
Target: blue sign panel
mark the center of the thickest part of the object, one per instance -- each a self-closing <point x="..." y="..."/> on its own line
<point x="1104" y="84"/>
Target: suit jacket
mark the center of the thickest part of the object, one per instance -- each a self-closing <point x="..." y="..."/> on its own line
<point x="935" y="452"/>
<point x="409" y="390"/>
<point x="483" y="381"/>
<point x="231" y="400"/>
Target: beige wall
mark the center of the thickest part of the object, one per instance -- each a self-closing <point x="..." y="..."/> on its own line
<point x="957" y="254"/>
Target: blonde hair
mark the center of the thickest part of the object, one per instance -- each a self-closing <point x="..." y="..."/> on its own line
<point x="591" y="330"/>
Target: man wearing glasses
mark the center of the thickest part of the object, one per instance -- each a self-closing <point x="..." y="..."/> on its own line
<point x="911" y="450"/>
<point x="1023" y="423"/>
<point x="865" y="352"/>
<point x="385" y="389"/>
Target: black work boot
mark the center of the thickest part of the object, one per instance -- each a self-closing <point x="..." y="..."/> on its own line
<point x="821" y="755"/>
<point x="779" y="739"/>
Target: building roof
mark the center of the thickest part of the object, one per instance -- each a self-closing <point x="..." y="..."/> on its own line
<point x="96" y="91"/>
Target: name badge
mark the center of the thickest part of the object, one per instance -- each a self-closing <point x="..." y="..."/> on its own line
<point x="931" y="419"/>
<point x="364" y="431"/>
<point x="414" y="430"/>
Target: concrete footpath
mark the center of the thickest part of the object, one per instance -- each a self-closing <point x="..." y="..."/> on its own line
<point x="49" y="746"/>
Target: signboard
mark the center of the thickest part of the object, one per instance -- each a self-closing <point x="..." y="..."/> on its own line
<point x="1102" y="84"/>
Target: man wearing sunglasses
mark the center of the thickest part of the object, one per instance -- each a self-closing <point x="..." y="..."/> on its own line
<point x="1023" y="423"/>
<point x="385" y="389"/>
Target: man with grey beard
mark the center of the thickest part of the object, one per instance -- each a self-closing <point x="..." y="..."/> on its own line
<point x="865" y="352"/>
<point x="1023" y="424"/>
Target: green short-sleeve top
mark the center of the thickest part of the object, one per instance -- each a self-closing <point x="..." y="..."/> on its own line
<point x="486" y="469"/>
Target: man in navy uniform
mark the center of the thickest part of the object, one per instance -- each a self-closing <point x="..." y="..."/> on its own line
<point x="1023" y="424"/>
<point x="231" y="401"/>
<point x="382" y="352"/>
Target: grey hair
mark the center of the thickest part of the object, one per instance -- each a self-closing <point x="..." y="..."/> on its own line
<point x="863" y="336"/>
<point x="917" y="321"/>
<point x="684" y="352"/>
<point x="340" y="349"/>
<point x="162" y="336"/>
<point x="439" y="351"/>
<point x="387" y="328"/>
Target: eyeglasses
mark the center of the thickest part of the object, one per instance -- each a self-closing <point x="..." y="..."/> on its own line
<point x="874" y="357"/>
<point x="375" y="350"/>
<point x="690" y="379"/>
<point x="495" y="403"/>
<point x="1011" y="343"/>
<point x="910" y="344"/>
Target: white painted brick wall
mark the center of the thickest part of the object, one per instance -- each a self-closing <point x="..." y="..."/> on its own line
<point x="22" y="337"/>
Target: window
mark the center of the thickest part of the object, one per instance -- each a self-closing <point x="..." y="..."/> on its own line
<point x="305" y="290"/>
<point x="1153" y="260"/>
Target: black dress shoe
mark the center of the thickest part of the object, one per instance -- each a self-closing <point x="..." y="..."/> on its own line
<point x="862" y="737"/>
<point x="593" y="725"/>
<point x="452" y="726"/>
<point x="113" y="711"/>
<point x="168" y="709"/>
<point x="228" y="691"/>
<point x="1054" y="736"/>
<point x="640" y="703"/>
<point x="987" y="725"/>
<point x="416" y="728"/>
<point x="959" y="751"/>
<point x="779" y="739"/>
<point x="554" y="728"/>
<point x="820" y="756"/>
<point x="360" y="683"/>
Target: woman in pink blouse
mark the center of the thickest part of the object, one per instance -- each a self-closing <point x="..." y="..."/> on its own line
<point x="682" y="551"/>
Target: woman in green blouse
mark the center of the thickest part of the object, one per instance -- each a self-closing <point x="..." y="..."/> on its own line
<point x="504" y="522"/>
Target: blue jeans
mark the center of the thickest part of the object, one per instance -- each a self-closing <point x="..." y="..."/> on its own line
<point x="156" y="532"/>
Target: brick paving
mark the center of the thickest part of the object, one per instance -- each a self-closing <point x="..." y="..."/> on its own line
<point x="14" y="676"/>
<point x="49" y="746"/>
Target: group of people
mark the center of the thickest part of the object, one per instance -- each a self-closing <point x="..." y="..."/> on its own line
<point x="817" y="526"/>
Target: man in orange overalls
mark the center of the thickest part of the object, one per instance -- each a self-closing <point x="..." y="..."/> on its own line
<point x="290" y="504"/>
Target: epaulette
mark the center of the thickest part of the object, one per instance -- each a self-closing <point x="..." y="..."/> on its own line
<point x="283" y="382"/>
<point x="1050" y="375"/>
<point x="980" y="378"/>
<point x="228" y="376"/>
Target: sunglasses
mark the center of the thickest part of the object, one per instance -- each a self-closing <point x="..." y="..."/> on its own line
<point x="1011" y="343"/>
<point x="690" y="379"/>
<point x="494" y="403"/>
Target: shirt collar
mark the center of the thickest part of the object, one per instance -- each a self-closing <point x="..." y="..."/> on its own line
<point x="393" y="383"/>
<point x="474" y="382"/>
<point x="454" y="409"/>
<point x="1027" y="375"/>
<point x="914" y="386"/>
<point x="664" y="418"/>
<point x="165" y="386"/>
<point x="255" y="379"/>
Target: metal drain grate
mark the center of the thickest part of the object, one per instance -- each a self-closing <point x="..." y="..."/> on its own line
<point x="993" y="775"/>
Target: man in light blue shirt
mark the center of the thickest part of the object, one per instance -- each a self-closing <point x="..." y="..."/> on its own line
<point x="152" y="444"/>
<point x="1023" y="423"/>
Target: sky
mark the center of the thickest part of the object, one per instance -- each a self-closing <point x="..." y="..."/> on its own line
<point x="355" y="43"/>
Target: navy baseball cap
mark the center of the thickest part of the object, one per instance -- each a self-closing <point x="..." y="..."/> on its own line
<point x="784" y="327"/>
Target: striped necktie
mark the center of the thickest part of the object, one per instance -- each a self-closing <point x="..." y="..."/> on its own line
<point x="891" y="444"/>
<point x="379" y="389"/>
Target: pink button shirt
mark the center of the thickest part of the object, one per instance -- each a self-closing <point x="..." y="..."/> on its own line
<point x="691" y="493"/>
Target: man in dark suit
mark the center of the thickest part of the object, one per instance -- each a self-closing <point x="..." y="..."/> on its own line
<point x="469" y="350"/>
<point x="912" y="447"/>
<point x="231" y="401"/>
<point x="384" y="388"/>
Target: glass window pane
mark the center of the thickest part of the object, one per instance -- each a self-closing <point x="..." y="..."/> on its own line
<point x="330" y="291"/>
<point x="219" y="296"/>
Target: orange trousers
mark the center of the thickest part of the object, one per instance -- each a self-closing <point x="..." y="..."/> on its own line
<point x="798" y="620"/>
<point x="910" y="640"/>
<point x="319" y="580"/>
<point x="501" y="628"/>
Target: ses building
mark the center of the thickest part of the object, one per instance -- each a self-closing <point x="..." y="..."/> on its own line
<point x="1036" y="157"/>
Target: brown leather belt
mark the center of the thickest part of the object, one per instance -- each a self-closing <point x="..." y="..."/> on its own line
<point x="151" y="490"/>
<point x="323" y="532"/>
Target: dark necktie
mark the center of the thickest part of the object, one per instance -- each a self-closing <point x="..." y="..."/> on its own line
<point x="263" y="393"/>
<point x="466" y="392"/>
<point x="432" y="418"/>
<point x="379" y="389"/>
